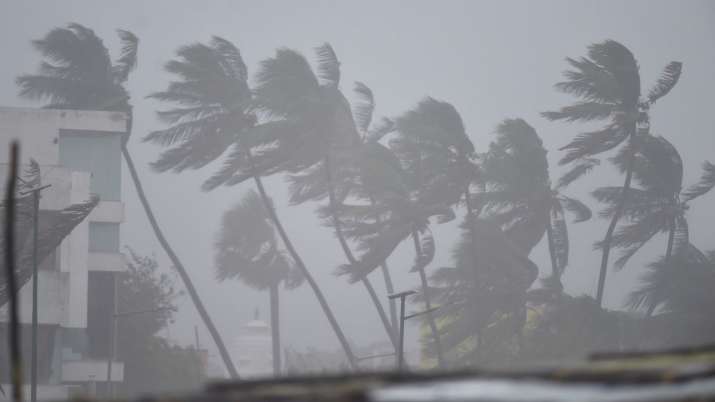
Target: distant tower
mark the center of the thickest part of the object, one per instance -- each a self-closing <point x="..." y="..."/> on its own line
<point x="252" y="348"/>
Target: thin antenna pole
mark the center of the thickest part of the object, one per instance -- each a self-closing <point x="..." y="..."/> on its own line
<point x="15" y="353"/>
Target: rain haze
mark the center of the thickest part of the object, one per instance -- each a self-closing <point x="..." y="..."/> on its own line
<point x="493" y="61"/>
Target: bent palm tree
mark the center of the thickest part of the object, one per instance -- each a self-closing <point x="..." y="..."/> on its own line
<point x="435" y="152"/>
<point x="660" y="203"/>
<point x="311" y="127"/>
<point x="217" y="112"/>
<point x="79" y="74"/>
<point x="608" y="84"/>
<point x="247" y="250"/>
<point x="519" y="197"/>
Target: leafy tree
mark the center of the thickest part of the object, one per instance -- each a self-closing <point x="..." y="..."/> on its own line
<point x="151" y="363"/>
<point x="247" y="250"/>
<point x="218" y="112"/>
<point x="607" y="82"/>
<point x="79" y="74"/>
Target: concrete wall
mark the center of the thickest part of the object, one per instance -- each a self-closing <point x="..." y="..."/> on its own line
<point x="38" y="129"/>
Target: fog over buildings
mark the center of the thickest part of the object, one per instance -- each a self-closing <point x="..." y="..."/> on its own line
<point x="492" y="60"/>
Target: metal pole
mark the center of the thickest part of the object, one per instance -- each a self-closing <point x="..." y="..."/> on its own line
<point x="36" y="219"/>
<point x="112" y="335"/>
<point x="13" y="307"/>
<point x="35" y="234"/>
<point x="401" y="346"/>
<point x="401" y="351"/>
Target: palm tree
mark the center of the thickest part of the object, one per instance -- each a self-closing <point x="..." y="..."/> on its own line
<point x="608" y="84"/>
<point x="79" y="74"/>
<point x="247" y="249"/>
<point x="217" y="112"/>
<point x="518" y="194"/>
<point x="486" y="285"/>
<point x="54" y="226"/>
<point x="311" y="125"/>
<point x="435" y="152"/>
<point x="658" y="205"/>
<point x="682" y="287"/>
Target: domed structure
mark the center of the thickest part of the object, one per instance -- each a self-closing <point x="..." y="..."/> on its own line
<point x="251" y="350"/>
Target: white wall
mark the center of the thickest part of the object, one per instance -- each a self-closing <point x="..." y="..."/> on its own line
<point x="38" y="129"/>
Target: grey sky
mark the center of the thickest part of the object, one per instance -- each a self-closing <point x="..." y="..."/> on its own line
<point x="491" y="59"/>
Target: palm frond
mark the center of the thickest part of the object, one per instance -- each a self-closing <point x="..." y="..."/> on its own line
<point x="364" y="107"/>
<point x="618" y="61"/>
<point x="231" y="58"/>
<point x="593" y="143"/>
<point x="666" y="82"/>
<point x="589" y="81"/>
<point x="706" y="183"/>
<point x="286" y="85"/>
<point x="560" y="238"/>
<point x="580" y="210"/>
<point x="384" y="127"/>
<point x="328" y="65"/>
<point x="633" y="236"/>
<point x="127" y="60"/>
<point x="580" y="168"/>
<point x="582" y="111"/>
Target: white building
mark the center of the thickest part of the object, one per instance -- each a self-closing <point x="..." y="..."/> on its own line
<point x="79" y="153"/>
<point x="252" y="349"/>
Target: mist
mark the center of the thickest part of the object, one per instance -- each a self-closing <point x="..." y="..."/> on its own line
<point x="491" y="66"/>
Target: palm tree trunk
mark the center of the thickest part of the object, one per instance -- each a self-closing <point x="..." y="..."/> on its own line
<point x="183" y="274"/>
<point x="614" y="220"/>
<point x="304" y="270"/>
<point x="275" y="329"/>
<point x="668" y="255"/>
<point x="390" y="288"/>
<point x="428" y="303"/>
<point x="351" y="258"/>
<point x="552" y="251"/>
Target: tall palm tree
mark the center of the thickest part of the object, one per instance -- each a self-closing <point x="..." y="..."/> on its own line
<point x="247" y="249"/>
<point x="432" y="145"/>
<point x="518" y="193"/>
<point x="311" y="127"/>
<point x="79" y="74"/>
<point x="217" y="112"/>
<point x="392" y="217"/>
<point x="659" y="204"/>
<point x="608" y="84"/>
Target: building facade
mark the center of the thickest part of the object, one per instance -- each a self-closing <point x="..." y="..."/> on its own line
<point x="79" y="153"/>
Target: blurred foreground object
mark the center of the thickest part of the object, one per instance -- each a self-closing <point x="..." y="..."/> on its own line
<point x="676" y="375"/>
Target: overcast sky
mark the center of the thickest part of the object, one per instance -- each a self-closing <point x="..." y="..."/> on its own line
<point x="491" y="59"/>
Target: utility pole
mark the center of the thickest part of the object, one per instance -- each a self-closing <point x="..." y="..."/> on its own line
<point x="36" y="220"/>
<point x="402" y="296"/>
<point x="401" y="347"/>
